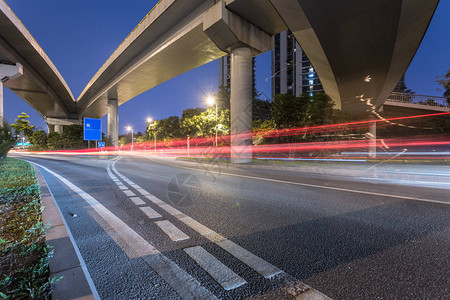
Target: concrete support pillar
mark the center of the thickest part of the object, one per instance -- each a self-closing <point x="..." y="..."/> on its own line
<point x="1" y="103"/>
<point x="242" y="40"/>
<point x="113" y="122"/>
<point x="241" y="105"/>
<point x="373" y="140"/>
<point x="7" y="72"/>
<point x="59" y="129"/>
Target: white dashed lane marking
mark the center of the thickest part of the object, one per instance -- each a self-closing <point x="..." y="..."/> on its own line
<point x="221" y="273"/>
<point x="129" y="193"/>
<point x="137" y="201"/>
<point x="259" y="265"/>
<point x="150" y="213"/>
<point x="172" y="231"/>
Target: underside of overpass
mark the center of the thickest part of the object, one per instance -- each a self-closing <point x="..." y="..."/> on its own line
<point x="40" y="83"/>
<point x="360" y="49"/>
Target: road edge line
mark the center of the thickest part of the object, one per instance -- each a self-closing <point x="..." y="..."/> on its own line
<point x="303" y="184"/>
<point x="168" y="270"/>
<point x="83" y="265"/>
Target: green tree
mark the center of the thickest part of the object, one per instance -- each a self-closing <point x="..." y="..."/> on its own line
<point x="141" y="139"/>
<point x="190" y="112"/>
<point x="261" y="110"/>
<point x="186" y="126"/>
<point x="318" y="109"/>
<point x="168" y="128"/>
<point x="260" y="128"/>
<point x="223" y="97"/>
<point x="39" y="140"/>
<point x="288" y="111"/>
<point x="122" y="141"/>
<point x="445" y="82"/>
<point x="7" y="140"/>
<point x="55" y="141"/>
<point x="204" y="124"/>
<point x="72" y="137"/>
<point x="22" y="125"/>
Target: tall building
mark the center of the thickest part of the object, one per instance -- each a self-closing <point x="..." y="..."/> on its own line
<point x="292" y="72"/>
<point x="224" y="71"/>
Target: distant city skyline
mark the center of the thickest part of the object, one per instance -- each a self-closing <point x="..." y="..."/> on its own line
<point x="79" y="40"/>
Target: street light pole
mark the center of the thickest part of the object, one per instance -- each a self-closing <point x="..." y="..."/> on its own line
<point x="211" y="101"/>
<point x="217" y="121"/>
<point x="132" y="140"/>
<point x="188" y="146"/>
<point x="129" y="128"/>
<point x="150" y="120"/>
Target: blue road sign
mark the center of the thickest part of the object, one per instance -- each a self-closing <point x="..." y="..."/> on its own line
<point x="101" y="144"/>
<point x="92" y="129"/>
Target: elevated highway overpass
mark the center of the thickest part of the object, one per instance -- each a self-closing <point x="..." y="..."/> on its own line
<point x="41" y="85"/>
<point x="359" y="49"/>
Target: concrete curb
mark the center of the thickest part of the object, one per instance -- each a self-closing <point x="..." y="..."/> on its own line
<point x="76" y="282"/>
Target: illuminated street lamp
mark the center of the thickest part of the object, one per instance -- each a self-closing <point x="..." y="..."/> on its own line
<point x="129" y="128"/>
<point x="150" y="120"/>
<point x="211" y="101"/>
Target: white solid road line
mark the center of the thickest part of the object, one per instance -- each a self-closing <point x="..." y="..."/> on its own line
<point x="202" y="229"/>
<point x="309" y="185"/>
<point x="183" y="283"/>
<point x="261" y="266"/>
<point x="74" y="244"/>
<point x="170" y="209"/>
<point x="152" y="198"/>
<point x="142" y="191"/>
<point x="172" y="231"/>
<point x="137" y="201"/>
<point x="151" y="214"/>
<point x="221" y="273"/>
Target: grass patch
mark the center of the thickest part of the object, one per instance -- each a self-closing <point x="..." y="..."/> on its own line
<point x="24" y="253"/>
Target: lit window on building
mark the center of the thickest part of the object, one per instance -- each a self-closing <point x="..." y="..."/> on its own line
<point x="311" y="81"/>
<point x="311" y="70"/>
<point x="311" y="75"/>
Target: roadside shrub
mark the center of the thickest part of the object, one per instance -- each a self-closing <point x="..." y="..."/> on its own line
<point x="24" y="253"/>
<point x="7" y="139"/>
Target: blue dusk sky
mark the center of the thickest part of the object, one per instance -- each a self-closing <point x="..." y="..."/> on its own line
<point x="79" y="36"/>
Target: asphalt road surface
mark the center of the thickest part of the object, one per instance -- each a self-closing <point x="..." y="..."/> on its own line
<point x="154" y="228"/>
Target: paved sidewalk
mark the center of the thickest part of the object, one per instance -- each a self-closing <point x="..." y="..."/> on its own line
<point x="75" y="282"/>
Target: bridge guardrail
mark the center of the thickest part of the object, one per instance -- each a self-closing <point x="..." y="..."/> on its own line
<point x="419" y="99"/>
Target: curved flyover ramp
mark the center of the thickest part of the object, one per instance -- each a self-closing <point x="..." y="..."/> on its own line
<point x="41" y="85"/>
<point x="359" y="48"/>
<point x="168" y="42"/>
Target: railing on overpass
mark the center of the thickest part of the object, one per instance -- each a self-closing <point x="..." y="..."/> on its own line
<point x="419" y="100"/>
